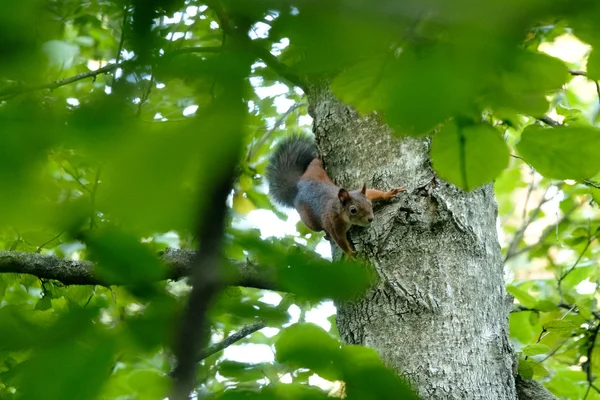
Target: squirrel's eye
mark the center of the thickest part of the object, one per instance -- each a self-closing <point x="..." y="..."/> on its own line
<point x="353" y="210"/>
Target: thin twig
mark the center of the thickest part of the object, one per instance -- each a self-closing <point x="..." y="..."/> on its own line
<point x="591" y="183"/>
<point x="570" y="307"/>
<point x="267" y="135"/>
<point x="21" y="89"/>
<point x="58" y="83"/>
<point x="563" y="276"/>
<point x="121" y="43"/>
<point x="539" y="338"/>
<point x="529" y="190"/>
<point x="545" y="233"/>
<point x="41" y="246"/>
<point x="587" y="392"/>
<point x="93" y="193"/>
<point x="577" y="73"/>
<point x="76" y="176"/>
<point x="519" y="157"/>
<point x="231" y="339"/>
<point x="544" y="331"/>
<point x="512" y="247"/>
<point x="567" y="306"/>
<point x="583" y="73"/>
<point x="190" y="50"/>
<point x="549" y="121"/>
<point x="590" y="353"/>
<point x="554" y="351"/>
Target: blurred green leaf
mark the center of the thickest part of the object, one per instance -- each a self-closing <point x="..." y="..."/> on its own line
<point x="535" y="349"/>
<point x="240" y="371"/>
<point x="522" y="296"/>
<point x="562" y="327"/>
<point x="121" y="257"/>
<point x="308" y="346"/>
<point x="562" y="152"/>
<point x="526" y="369"/>
<point x="593" y="65"/>
<point x="468" y="156"/>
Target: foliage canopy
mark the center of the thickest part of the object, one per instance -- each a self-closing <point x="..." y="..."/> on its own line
<point x="119" y="116"/>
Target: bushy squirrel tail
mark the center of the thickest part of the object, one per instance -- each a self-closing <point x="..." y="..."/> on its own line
<point x="287" y="164"/>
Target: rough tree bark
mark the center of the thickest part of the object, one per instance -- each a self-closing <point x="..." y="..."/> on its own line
<point x="439" y="315"/>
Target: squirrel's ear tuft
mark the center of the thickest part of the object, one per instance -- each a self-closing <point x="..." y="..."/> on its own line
<point x="343" y="195"/>
<point x="364" y="189"/>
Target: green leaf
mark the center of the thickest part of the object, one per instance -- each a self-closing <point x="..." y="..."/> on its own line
<point x="360" y="85"/>
<point x="19" y="328"/>
<point x="522" y="296"/>
<point x="367" y="377"/>
<point x="578" y="275"/>
<point x="122" y="258"/>
<point x="562" y="327"/>
<point x="149" y="384"/>
<point x="562" y="152"/>
<point x="535" y="349"/>
<point x="593" y="65"/>
<point x="525" y="82"/>
<point x="539" y="371"/>
<point x="85" y="354"/>
<point x="292" y="391"/>
<point x="468" y="156"/>
<point x="526" y="369"/>
<point x="429" y="85"/>
<point x="305" y="345"/>
<point x="153" y="327"/>
<point x="546" y="305"/>
<point x="523" y="327"/>
<point x="306" y="273"/>
<point x="45" y="303"/>
<point x="3" y="286"/>
<point x="240" y="371"/>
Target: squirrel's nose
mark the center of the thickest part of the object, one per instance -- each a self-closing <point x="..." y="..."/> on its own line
<point x="370" y="219"/>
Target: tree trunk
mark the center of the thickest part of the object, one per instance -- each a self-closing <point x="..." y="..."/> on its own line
<point x="439" y="315"/>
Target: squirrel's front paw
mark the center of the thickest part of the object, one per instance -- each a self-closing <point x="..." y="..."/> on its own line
<point x="393" y="192"/>
<point x="351" y="254"/>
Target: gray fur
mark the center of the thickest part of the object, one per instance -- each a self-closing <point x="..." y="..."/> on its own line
<point x="287" y="164"/>
<point x="317" y="196"/>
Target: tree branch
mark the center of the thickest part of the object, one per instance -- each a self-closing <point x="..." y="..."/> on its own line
<point x="593" y="184"/>
<point x="591" y="238"/>
<point x="532" y="390"/>
<point x="545" y="233"/>
<point x="549" y="121"/>
<point x="21" y="89"/>
<point x="231" y="339"/>
<point x="178" y="264"/>
<point x="516" y="240"/>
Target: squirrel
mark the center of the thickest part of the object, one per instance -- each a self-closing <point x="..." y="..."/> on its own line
<point x="297" y="179"/>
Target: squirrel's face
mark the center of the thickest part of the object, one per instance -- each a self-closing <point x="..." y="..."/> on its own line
<point x="357" y="208"/>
